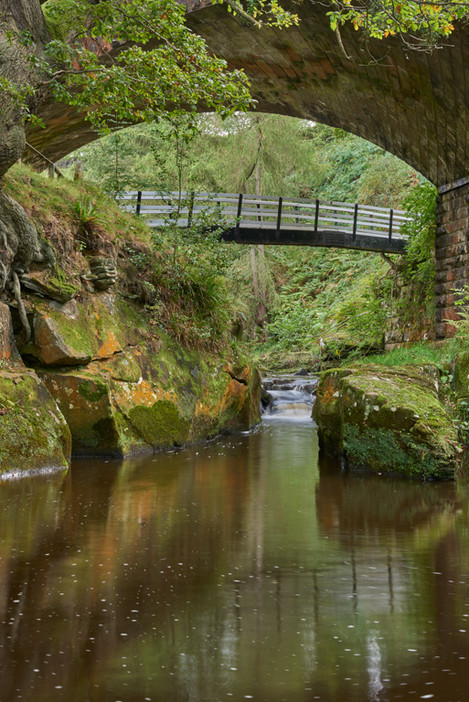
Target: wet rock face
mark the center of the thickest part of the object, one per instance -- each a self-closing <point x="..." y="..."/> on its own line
<point x="33" y="431"/>
<point x="122" y="389"/>
<point x="147" y="399"/>
<point x="387" y="420"/>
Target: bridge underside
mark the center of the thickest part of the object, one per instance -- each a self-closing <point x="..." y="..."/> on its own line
<point x="327" y="238"/>
<point x="415" y="105"/>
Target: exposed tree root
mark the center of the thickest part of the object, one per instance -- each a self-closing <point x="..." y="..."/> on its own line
<point x="21" y="308"/>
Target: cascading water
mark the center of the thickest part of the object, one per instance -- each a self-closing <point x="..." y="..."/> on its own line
<point x="288" y="396"/>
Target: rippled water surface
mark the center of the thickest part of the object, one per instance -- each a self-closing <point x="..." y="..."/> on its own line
<point x="237" y="570"/>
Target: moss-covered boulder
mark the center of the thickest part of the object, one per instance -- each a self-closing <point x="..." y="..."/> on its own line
<point x="33" y="432"/>
<point x="387" y="420"/>
<point x="153" y="396"/>
<point x="77" y="332"/>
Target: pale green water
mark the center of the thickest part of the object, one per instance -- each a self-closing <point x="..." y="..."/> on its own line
<point x="238" y="570"/>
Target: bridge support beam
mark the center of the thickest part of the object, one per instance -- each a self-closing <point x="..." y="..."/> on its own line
<point x="451" y="251"/>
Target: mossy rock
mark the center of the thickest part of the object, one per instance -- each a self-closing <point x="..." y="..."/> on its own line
<point x="77" y="332"/>
<point x="142" y="400"/>
<point x="56" y="286"/>
<point x="160" y="425"/>
<point x="86" y="405"/>
<point x="33" y="431"/>
<point x="387" y="420"/>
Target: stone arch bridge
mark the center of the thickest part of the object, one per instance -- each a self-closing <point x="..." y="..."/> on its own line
<point x="413" y="104"/>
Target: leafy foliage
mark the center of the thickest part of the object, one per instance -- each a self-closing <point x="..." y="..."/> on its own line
<point x="421" y="24"/>
<point x="126" y="61"/>
<point x="419" y="263"/>
<point x="160" y="63"/>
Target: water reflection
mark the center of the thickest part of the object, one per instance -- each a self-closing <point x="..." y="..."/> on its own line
<point x="237" y="570"/>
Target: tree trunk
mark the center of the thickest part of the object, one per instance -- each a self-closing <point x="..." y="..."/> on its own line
<point x="20" y="245"/>
<point x="17" y="16"/>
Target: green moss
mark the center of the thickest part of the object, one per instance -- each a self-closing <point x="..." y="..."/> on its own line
<point x="33" y="433"/>
<point x="60" y="283"/>
<point x="76" y="332"/>
<point x="387" y="419"/>
<point x="461" y="375"/>
<point x="160" y="425"/>
<point x="384" y="450"/>
<point x="92" y="390"/>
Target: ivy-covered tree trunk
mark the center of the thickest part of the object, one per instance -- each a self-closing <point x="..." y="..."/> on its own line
<point x="19" y="241"/>
<point x="16" y="19"/>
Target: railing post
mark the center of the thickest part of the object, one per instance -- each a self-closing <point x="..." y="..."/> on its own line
<point x="355" y="219"/>
<point x="240" y="205"/>
<point x="258" y="206"/>
<point x="296" y="218"/>
<point x="139" y="203"/>
<point x="316" y="217"/>
<point x="191" y="209"/>
<point x="391" y="214"/>
<point x="279" y="213"/>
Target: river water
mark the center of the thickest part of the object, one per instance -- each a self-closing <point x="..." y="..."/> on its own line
<point x="242" y="569"/>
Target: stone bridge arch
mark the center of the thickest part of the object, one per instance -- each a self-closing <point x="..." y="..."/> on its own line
<point x="413" y="104"/>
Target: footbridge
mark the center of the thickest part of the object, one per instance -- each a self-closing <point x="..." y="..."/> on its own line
<point x="256" y="219"/>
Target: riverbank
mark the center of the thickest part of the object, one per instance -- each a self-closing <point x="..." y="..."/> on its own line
<point x="112" y="342"/>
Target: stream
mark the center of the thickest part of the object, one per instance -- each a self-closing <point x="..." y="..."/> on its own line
<point x="242" y="569"/>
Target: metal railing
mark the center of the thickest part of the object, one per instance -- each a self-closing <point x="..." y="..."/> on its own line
<point x="241" y="211"/>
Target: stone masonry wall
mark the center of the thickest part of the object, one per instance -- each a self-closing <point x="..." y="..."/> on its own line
<point x="452" y="255"/>
<point x="412" y="320"/>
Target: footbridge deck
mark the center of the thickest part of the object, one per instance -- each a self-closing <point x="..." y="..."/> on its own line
<point x="255" y="219"/>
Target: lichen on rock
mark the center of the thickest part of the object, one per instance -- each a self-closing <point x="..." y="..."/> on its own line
<point x="388" y="420"/>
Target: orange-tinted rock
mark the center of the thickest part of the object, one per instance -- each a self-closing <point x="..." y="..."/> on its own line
<point x="143" y="400"/>
<point x="87" y="407"/>
<point x="75" y="333"/>
<point x="8" y="350"/>
<point x="52" y="346"/>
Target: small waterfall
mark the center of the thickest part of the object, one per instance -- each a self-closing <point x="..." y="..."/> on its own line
<point x="288" y="396"/>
